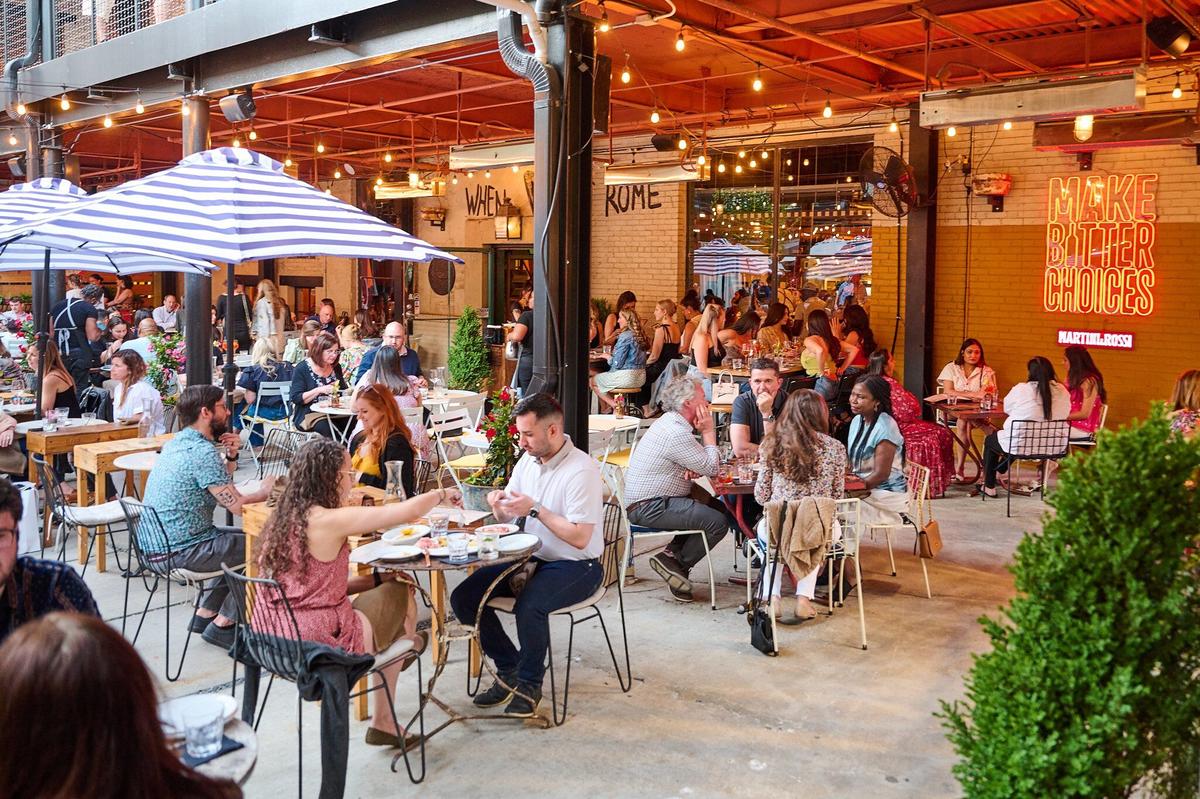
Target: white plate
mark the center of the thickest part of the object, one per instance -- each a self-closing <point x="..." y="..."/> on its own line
<point x="516" y="543"/>
<point x="498" y="529"/>
<point x="396" y="552"/>
<point x="444" y="552"/>
<point x="405" y="533"/>
<point x="173" y="712"/>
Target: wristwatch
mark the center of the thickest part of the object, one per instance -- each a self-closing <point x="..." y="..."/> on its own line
<point x="535" y="510"/>
<point x="770" y="418"/>
<point x="233" y="457"/>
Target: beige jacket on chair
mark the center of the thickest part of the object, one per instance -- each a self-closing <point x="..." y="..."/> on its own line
<point x="802" y="529"/>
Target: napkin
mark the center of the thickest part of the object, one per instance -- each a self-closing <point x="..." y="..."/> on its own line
<point x="227" y="745"/>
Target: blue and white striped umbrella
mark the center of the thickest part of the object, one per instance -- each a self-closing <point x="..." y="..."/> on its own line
<point x="229" y="205"/>
<point x="25" y="201"/>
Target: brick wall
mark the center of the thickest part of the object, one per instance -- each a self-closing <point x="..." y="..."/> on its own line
<point x="639" y="241"/>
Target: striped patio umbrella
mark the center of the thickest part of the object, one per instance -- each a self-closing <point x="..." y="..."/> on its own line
<point x="721" y="264"/>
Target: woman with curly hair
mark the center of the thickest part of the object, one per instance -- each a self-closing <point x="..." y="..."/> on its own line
<point x="304" y="547"/>
<point x="799" y="459"/>
<point x="627" y="363"/>
<point x="72" y="683"/>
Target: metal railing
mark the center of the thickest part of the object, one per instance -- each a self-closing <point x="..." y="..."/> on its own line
<point x="79" y="24"/>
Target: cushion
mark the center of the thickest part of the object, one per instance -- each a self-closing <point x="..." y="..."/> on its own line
<point x="96" y="515"/>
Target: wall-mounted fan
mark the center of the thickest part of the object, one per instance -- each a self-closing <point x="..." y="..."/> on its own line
<point x="887" y="181"/>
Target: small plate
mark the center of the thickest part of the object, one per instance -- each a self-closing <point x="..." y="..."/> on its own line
<point x="516" y="543"/>
<point x="444" y="551"/>
<point x="396" y="552"/>
<point x="173" y="712"/>
<point x="498" y="529"/>
<point x="405" y="534"/>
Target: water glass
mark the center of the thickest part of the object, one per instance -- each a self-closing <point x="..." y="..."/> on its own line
<point x="457" y="546"/>
<point x="395" y="480"/>
<point x="489" y="546"/>
<point x="89" y="417"/>
<point x="202" y="731"/>
<point x="738" y="363"/>
<point x="745" y="472"/>
<point x="63" y="414"/>
<point x="438" y="524"/>
<point x="50" y="422"/>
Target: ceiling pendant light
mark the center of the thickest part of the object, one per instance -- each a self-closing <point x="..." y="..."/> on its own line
<point x="721" y="167"/>
<point x="387" y="158"/>
<point x="252" y="135"/>
<point x="701" y="160"/>
<point x="1007" y="124"/>
<point x="20" y="107"/>
<point x="108" y="123"/>
<point x="757" y="83"/>
<point x="827" y="111"/>
<point x="604" y="25"/>
<point x="894" y="126"/>
<point x="337" y="174"/>
<point x="951" y="131"/>
<point x="626" y="75"/>
<point x="679" y="43"/>
<point x="683" y="143"/>
<point x="320" y="147"/>
<point x="138" y="108"/>
<point x="655" y="117"/>
<point x="287" y="161"/>
<point x="1176" y="93"/>
<point x="237" y="142"/>
<point x="64" y="103"/>
<point x="1083" y="127"/>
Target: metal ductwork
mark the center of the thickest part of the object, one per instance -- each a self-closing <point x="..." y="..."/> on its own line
<point x="521" y="62"/>
<point x="33" y="49"/>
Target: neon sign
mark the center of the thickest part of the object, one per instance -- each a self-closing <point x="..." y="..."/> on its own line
<point x="1099" y="245"/>
<point x="1096" y="339"/>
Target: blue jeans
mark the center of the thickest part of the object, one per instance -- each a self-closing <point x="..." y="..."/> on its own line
<point x="555" y="584"/>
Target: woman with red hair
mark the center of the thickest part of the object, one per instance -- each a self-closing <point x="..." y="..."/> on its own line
<point x="384" y="438"/>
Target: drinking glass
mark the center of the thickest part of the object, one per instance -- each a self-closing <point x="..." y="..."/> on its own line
<point x="88" y="417"/>
<point x="202" y="730"/>
<point x="457" y="545"/>
<point x="745" y="472"/>
<point x="63" y="414"/>
<point x="395" y="480"/>
<point x="50" y="422"/>
<point x="438" y="524"/>
<point x="738" y="363"/>
<point x="489" y="546"/>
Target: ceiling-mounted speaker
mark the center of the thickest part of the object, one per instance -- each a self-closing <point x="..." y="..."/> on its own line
<point x="238" y="107"/>
<point x="601" y="81"/>
<point x="16" y="166"/>
<point x="1169" y="35"/>
<point x="665" y="142"/>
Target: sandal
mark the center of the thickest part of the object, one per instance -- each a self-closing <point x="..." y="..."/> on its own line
<point x="376" y="737"/>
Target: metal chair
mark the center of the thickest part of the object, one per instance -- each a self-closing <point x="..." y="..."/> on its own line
<point x="444" y="429"/>
<point x="252" y="416"/>
<point x="149" y="542"/>
<point x="268" y="633"/>
<point x="638" y="531"/>
<point x="849" y="518"/>
<point x="472" y="405"/>
<point x="918" y="515"/>
<point x="1040" y="441"/>
<point x="1090" y="441"/>
<point x="610" y="562"/>
<point x="279" y="449"/>
<point x="89" y="518"/>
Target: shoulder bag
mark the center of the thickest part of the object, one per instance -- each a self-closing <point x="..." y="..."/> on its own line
<point x="724" y="392"/>
<point x="929" y="540"/>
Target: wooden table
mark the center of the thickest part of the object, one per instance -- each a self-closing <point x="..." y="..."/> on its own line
<point x="989" y="421"/>
<point x="97" y="459"/>
<point x="786" y="369"/>
<point x="65" y="439"/>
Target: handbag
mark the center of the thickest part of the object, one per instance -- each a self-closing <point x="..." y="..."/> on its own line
<point x="929" y="540"/>
<point x="512" y="350"/>
<point x="724" y="392"/>
<point x="758" y="615"/>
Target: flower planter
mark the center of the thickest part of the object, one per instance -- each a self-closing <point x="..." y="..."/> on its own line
<point x="475" y="497"/>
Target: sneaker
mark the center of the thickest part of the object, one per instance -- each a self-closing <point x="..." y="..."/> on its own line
<point x="199" y="623"/>
<point x="219" y="636"/>
<point x="497" y="694"/>
<point x="665" y="565"/>
<point x="522" y="708"/>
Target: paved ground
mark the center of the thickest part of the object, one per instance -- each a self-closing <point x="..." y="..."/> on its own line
<point x="707" y="716"/>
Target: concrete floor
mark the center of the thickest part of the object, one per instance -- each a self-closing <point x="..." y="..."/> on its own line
<point x="708" y="716"/>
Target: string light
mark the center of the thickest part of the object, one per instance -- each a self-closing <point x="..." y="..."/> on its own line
<point x="1007" y="124"/>
<point x="253" y="135"/>
<point x="487" y="174"/>
<point x="454" y="179"/>
<point x="952" y="131"/>
<point x="721" y="167"/>
<point x="387" y="158"/>
<point x="64" y="103"/>
<point x="12" y="139"/>
<point x="287" y="161"/>
<point x="337" y="174"/>
<point x="604" y="24"/>
<point x="379" y="181"/>
<point x="894" y="127"/>
<point x="107" y="121"/>
<point x="827" y="111"/>
<point x="679" y="43"/>
<point x="753" y="163"/>
<point x="138" y="107"/>
<point x="757" y="84"/>
<point x="470" y="176"/>
<point x="741" y="153"/>
<point x="737" y="170"/>
<point x="626" y="76"/>
<point x="320" y="147"/>
<point x="655" y="117"/>
<point x="806" y="162"/>
<point x="1177" y="92"/>
<point x="184" y="108"/>
<point x="237" y="142"/>
<point x="20" y="107"/>
<point x="701" y="160"/>
<point x="683" y="143"/>
<point x="516" y="169"/>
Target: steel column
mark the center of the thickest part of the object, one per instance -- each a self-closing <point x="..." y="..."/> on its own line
<point x="52" y="167"/>
<point x="920" y="262"/>
<point x="197" y="289"/>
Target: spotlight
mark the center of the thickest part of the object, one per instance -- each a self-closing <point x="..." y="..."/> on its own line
<point x="238" y="107"/>
<point x="1169" y="35"/>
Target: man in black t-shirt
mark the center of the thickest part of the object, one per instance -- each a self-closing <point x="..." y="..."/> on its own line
<point x="74" y="329"/>
<point x="238" y="316"/>
<point x="753" y="416"/>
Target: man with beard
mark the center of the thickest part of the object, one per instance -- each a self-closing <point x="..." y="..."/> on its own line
<point x="192" y="476"/>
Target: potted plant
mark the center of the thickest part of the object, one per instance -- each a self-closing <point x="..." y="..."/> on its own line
<point x="468" y="358"/>
<point x="1092" y="685"/>
<point x="170" y="357"/>
<point x="502" y="452"/>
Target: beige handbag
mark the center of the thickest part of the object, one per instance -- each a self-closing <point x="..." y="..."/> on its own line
<point x="724" y="392"/>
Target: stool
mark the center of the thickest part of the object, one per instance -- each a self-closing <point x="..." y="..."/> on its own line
<point x="631" y="408"/>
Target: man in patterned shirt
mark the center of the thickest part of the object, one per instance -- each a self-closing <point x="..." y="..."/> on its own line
<point x="30" y="587"/>
<point x="192" y="476"/>
<point x="659" y="487"/>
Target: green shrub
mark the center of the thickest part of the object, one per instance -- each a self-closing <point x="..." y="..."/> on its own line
<point x="468" y="360"/>
<point x="603" y="308"/>
<point x="1092" y="687"/>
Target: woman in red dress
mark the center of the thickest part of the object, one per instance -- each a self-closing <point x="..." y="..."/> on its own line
<point x="925" y="443"/>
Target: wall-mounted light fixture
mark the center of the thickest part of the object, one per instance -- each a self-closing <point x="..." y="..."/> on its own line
<point x="508" y="222"/>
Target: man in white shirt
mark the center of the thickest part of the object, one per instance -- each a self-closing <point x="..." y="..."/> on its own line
<point x="557" y="489"/>
<point x="166" y="316"/>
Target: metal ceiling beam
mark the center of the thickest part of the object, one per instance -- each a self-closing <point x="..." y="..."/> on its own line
<point x="975" y="39"/>
<point x="829" y="12"/>
<point x="815" y="38"/>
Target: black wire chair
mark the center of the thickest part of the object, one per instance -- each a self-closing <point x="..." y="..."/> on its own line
<point x="149" y="543"/>
<point x="588" y="609"/>
<point x="1040" y="441"/>
<point x="65" y="515"/>
<point x="268" y="633"/>
<point x="279" y="449"/>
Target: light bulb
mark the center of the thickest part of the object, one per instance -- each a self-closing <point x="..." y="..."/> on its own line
<point x="454" y="179"/>
<point x="757" y="84"/>
<point x="741" y="153"/>
<point x="701" y="160"/>
<point x="1007" y="125"/>
<point x="894" y="127"/>
<point x="952" y="131"/>
<point x="329" y="191"/>
<point x="604" y="24"/>
<point x="737" y="169"/>
<point x="625" y="76"/>
<point x="237" y="142"/>
<point x="487" y="175"/>
<point x="64" y="103"/>
<point x="253" y="135"/>
<point x="789" y="162"/>
<point x="470" y="176"/>
<point x="765" y="155"/>
<point x="320" y="147"/>
<point x="721" y="167"/>
<point x="414" y="178"/>
<point x="683" y="144"/>
<point x="337" y="174"/>
<point x="654" y="117"/>
<point x="12" y="139"/>
<point x="378" y="181"/>
<point x="805" y="162"/>
<point x="679" y="43"/>
<point x="1176" y="93"/>
<point x="753" y="163"/>
<point x="20" y="108"/>
<point x="287" y="161"/>
<point x="847" y="178"/>
<point x="516" y="168"/>
<point x="827" y="111"/>
<point x="138" y="107"/>
<point x="184" y="108"/>
<point x="1083" y="127"/>
<point x="107" y="121"/>
<point x="387" y="158"/>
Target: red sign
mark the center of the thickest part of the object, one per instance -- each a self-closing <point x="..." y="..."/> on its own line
<point x="1096" y="338"/>
<point x="1099" y="245"/>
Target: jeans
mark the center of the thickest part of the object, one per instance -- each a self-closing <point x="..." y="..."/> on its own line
<point x="229" y="548"/>
<point x="685" y="513"/>
<point x="555" y="584"/>
<point x="995" y="459"/>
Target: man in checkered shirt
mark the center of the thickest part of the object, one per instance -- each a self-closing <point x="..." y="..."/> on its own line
<point x="659" y="487"/>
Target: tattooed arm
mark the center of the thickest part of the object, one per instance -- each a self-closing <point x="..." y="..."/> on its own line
<point x="232" y="500"/>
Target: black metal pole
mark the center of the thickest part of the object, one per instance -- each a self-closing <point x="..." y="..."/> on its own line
<point x="43" y="333"/>
<point x="920" y="261"/>
<point x="197" y="289"/>
<point x="229" y="370"/>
